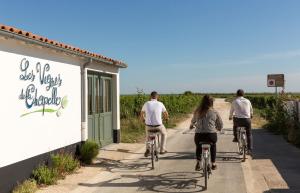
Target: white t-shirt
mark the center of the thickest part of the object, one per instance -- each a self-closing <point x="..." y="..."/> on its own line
<point x="153" y="112"/>
<point x="241" y="108"/>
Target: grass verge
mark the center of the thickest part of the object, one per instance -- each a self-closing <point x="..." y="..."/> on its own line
<point x="28" y="186"/>
<point x="133" y="129"/>
<point x="258" y="120"/>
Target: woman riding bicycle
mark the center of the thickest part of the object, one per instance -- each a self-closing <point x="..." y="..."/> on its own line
<point x="207" y="122"/>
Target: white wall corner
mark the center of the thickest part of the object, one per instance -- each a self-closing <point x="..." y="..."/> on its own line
<point x="118" y="101"/>
<point x="84" y="131"/>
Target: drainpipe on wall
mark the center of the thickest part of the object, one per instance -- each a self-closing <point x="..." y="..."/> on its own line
<point x="84" y="129"/>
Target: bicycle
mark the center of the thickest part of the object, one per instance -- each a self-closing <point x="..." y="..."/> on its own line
<point x="206" y="162"/>
<point x="242" y="142"/>
<point x="153" y="141"/>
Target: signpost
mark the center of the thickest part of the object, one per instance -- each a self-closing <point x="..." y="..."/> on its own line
<point x="276" y="80"/>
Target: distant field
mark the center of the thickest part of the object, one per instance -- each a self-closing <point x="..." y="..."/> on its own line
<point x="226" y="95"/>
<point x="178" y="106"/>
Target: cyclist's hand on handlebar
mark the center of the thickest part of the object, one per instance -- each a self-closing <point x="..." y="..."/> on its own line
<point x="192" y="127"/>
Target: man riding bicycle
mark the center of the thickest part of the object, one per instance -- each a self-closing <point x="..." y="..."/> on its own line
<point x="241" y="112"/>
<point x="151" y="114"/>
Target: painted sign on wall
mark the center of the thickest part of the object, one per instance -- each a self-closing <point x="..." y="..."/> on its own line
<point x="40" y="74"/>
<point x="40" y="105"/>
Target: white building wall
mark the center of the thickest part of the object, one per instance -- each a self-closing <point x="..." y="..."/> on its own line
<point x="26" y="130"/>
<point x="24" y="137"/>
<point x="116" y="101"/>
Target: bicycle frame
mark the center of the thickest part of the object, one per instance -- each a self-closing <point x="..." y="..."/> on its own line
<point x="205" y="159"/>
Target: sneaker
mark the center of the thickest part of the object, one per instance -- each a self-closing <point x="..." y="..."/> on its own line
<point x="197" y="167"/>
<point x="235" y="140"/>
<point x="163" y="152"/>
<point x="214" y="167"/>
<point x="147" y="153"/>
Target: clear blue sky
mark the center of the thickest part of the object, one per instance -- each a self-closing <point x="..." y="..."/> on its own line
<point x="176" y="45"/>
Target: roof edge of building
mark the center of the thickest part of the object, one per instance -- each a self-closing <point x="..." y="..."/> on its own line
<point x="12" y="32"/>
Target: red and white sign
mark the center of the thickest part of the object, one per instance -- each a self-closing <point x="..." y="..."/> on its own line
<point x="275" y="80"/>
<point x="271" y="82"/>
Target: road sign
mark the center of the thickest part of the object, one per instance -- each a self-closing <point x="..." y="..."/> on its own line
<point x="271" y="82"/>
<point x="275" y="80"/>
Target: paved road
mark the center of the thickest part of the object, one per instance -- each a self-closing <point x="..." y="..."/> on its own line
<point x="122" y="167"/>
<point x="175" y="171"/>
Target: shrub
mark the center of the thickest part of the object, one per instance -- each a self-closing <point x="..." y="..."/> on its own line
<point x="188" y="93"/>
<point x="88" y="151"/>
<point x="28" y="186"/>
<point x="64" y="164"/>
<point x="278" y="118"/>
<point x="45" y="175"/>
<point x="282" y="120"/>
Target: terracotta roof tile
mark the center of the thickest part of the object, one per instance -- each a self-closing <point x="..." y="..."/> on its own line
<point x="58" y="44"/>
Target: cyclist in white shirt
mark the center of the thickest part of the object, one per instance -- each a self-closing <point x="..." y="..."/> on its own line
<point x="241" y="112"/>
<point x="151" y="114"/>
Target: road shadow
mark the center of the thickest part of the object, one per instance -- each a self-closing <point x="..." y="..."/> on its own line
<point x="282" y="191"/>
<point x="184" y="182"/>
<point x="221" y="156"/>
<point x="121" y="151"/>
<point x="228" y="157"/>
<point x="285" y="157"/>
<point x="143" y="164"/>
<point x="174" y="156"/>
<point x="126" y="165"/>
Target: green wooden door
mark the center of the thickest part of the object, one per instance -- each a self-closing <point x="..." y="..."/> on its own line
<point x="106" y="115"/>
<point x="100" y="109"/>
<point x="94" y="108"/>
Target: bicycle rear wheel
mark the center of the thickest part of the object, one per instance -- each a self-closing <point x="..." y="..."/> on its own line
<point x="156" y="148"/>
<point x="244" y="154"/>
<point x="244" y="148"/>
<point x="205" y="174"/>
<point x="240" y="144"/>
<point x="240" y="147"/>
<point x="152" y="156"/>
